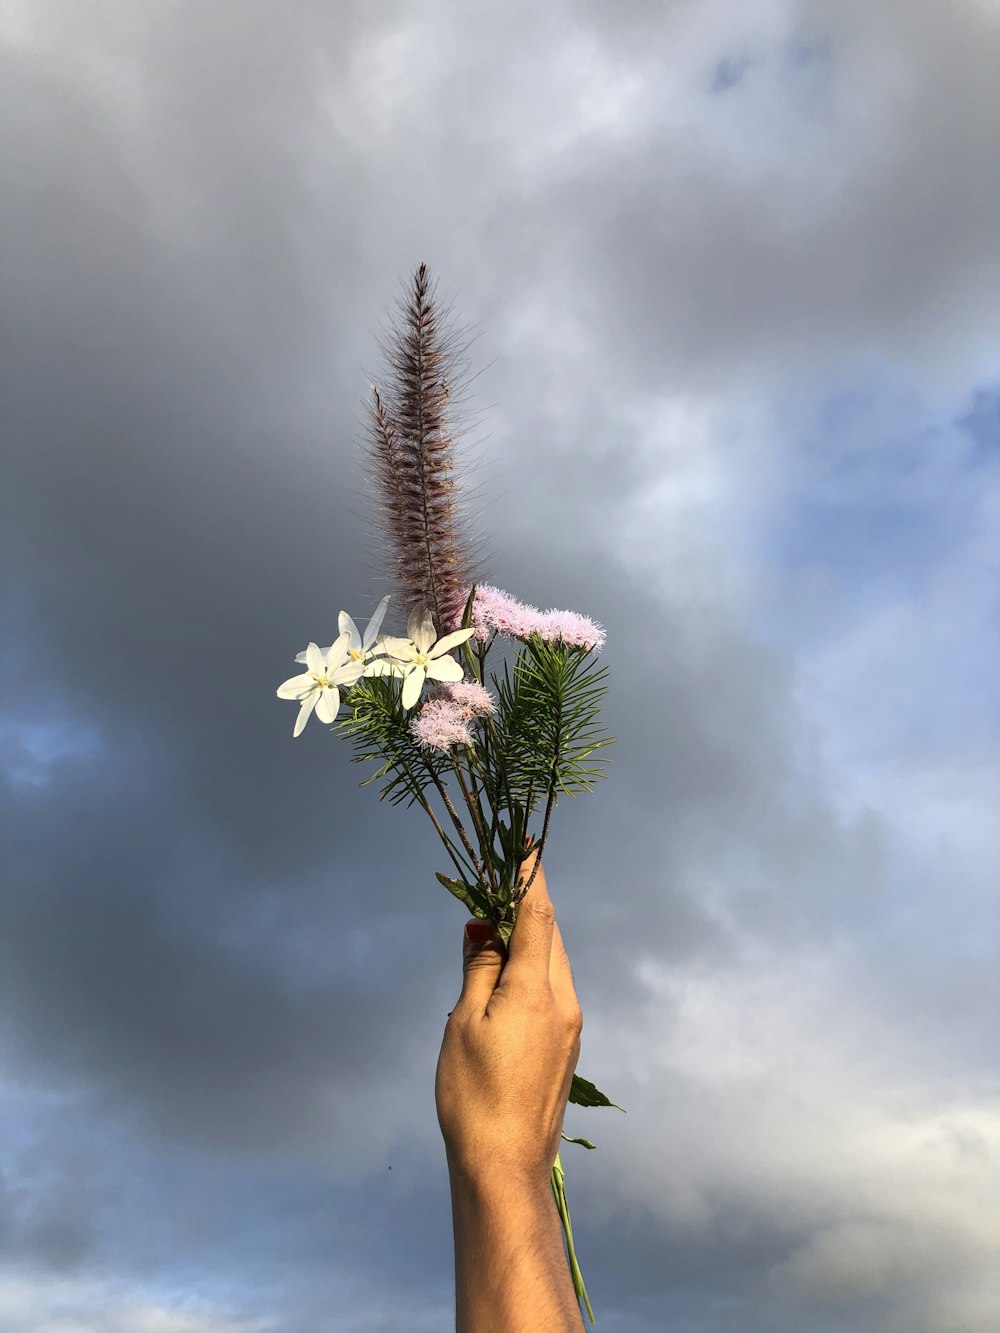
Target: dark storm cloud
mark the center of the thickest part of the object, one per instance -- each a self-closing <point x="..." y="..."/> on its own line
<point x="209" y="935"/>
<point x="178" y="541"/>
<point x="174" y="526"/>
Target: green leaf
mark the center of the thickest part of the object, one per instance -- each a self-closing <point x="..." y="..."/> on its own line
<point x="512" y="835"/>
<point x="583" y="1093"/>
<point x="585" y="1142"/>
<point x="467" y="613"/>
<point x="466" y="648"/>
<point x="378" y="728"/>
<point x="548" y="710"/>
<point x="466" y="894"/>
<point x="456" y="887"/>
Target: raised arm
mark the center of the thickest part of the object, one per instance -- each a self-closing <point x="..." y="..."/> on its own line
<point x="503" y="1077"/>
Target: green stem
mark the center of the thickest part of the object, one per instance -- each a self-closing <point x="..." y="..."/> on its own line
<point x="460" y="827"/>
<point x="477" y="820"/>
<point x="541" y="844"/>
<point x="478" y="670"/>
<point x="559" y="1190"/>
<point x="461" y="866"/>
<point x="548" y="806"/>
<point x="485" y="784"/>
<point x="477" y="673"/>
<point x="529" y="802"/>
<point x="501" y="770"/>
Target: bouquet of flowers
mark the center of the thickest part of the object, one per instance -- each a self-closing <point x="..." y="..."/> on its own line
<point x="479" y="762"/>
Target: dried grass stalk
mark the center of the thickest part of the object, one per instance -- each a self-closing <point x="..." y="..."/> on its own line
<point x="412" y="450"/>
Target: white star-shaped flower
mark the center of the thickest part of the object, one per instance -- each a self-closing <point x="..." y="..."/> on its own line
<point x="419" y="658"/>
<point x="360" y="648"/>
<point x="319" y="686"/>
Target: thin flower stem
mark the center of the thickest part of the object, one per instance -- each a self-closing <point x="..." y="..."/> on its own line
<point x="480" y="772"/>
<point x="477" y="820"/>
<point x="501" y="767"/>
<point x="548" y="812"/>
<point x="502" y="774"/>
<point x="541" y="844"/>
<point x="477" y="674"/>
<point x="462" y="867"/>
<point x="481" y="652"/>
<point x="481" y="790"/>
<point x="459" y="826"/>
<point x="460" y="863"/>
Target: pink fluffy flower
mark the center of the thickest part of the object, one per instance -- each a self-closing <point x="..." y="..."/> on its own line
<point x="440" y="724"/>
<point x="496" y="611"/>
<point x="574" y="630"/>
<point x="469" y="697"/>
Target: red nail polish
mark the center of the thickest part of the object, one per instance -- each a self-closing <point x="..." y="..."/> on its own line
<point x="478" y="932"/>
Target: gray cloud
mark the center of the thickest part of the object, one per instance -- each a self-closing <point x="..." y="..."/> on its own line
<point x="233" y="964"/>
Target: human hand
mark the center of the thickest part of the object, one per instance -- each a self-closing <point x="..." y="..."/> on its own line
<point x="510" y="1048"/>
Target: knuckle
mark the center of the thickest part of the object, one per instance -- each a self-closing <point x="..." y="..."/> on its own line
<point x="541" y="908"/>
<point x="539" y="998"/>
<point x="531" y="997"/>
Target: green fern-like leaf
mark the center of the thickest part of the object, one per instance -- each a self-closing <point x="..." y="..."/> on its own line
<point x="548" y="708"/>
<point x="378" y="728"/>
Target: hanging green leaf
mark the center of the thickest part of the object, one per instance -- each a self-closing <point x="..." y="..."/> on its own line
<point x="586" y="1143"/>
<point x="583" y="1093"/>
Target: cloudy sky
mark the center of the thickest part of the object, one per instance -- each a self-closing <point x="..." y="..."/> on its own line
<point x="732" y="271"/>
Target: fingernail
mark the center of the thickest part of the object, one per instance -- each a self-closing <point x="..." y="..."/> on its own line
<point x="478" y="932"/>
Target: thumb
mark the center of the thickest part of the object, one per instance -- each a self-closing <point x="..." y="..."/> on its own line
<point x="482" y="963"/>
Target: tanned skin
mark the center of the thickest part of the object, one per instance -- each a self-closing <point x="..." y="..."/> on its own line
<point x="507" y="1059"/>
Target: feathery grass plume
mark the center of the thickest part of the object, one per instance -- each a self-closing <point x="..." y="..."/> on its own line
<point x="411" y="443"/>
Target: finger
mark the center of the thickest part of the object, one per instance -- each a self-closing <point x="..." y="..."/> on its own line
<point x="560" y="972"/>
<point x="530" y="948"/>
<point x="481" y="968"/>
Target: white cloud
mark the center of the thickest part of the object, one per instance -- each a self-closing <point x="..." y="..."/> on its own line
<point x="770" y="1091"/>
<point x="48" y="1305"/>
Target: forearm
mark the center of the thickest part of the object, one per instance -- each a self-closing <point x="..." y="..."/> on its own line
<point x="511" y="1274"/>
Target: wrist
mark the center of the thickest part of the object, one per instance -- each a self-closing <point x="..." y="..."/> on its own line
<point x="510" y="1268"/>
<point x="489" y="1180"/>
